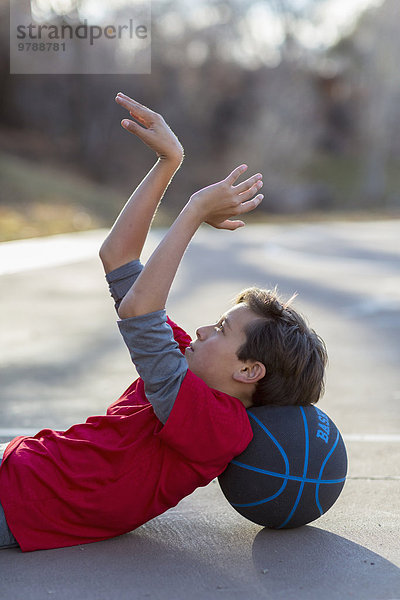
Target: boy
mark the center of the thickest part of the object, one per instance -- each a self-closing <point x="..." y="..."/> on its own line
<point x="179" y="425"/>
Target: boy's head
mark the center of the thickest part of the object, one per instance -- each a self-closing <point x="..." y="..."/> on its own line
<point x="294" y="356"/>
<point x="261" y="351"/>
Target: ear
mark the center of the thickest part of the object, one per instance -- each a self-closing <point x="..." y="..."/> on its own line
<point x="251" y="372"/>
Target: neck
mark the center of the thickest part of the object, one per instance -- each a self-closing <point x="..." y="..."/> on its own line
<point x="243" y="393"/>
<point x="246" y="402"/>
<point x="239" y="391"/>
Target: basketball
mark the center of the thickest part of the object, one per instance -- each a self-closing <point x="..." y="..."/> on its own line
<point x="292" y="471"/>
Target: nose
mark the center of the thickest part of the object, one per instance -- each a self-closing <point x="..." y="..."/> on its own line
<point x="202" y="332"/>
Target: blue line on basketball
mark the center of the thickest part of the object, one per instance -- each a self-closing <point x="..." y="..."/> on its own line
<point x="306" y="452"/>
<point x="287" y="477"/>
<point x="263" y="500"/>
<point x="322" y="469"/>
<point x="281" y="450"/>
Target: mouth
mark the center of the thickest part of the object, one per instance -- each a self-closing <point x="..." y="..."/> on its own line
<point x="190" y="347"/>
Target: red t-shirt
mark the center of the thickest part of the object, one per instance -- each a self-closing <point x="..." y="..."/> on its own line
<point x="113" y="473"/>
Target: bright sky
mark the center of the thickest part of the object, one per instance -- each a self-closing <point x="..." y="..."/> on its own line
<point x="331" y="19"/>
<point x="335" y="17"/>
<point x="328" y="21"/>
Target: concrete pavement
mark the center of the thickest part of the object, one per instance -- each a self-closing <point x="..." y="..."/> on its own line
<point x="62" y="360"/>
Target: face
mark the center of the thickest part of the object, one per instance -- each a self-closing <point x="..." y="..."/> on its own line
<point x="212" y="356"/>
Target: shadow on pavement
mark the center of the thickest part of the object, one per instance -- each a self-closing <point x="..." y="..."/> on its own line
<point x="313" y="563"/>
<point x="153" y="562"/>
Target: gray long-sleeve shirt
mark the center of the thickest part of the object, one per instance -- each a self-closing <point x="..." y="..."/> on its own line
<point x="151" y="344"/>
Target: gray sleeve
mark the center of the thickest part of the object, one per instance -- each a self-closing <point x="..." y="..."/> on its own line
<point x="120" y="280"/>
<point x="157" y="358"/>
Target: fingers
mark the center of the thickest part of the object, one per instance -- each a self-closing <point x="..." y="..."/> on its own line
<point x="236" y="173"/>
<point x="141" y="132"/>
<point x="231" y="225"/>
<point x="130" y="125"/>
<point x="140" y="112"/>
<point x="245" y="185"/>
<point x="130" y="103"/>
<point x="251" y="204"/>
<point x="227" y="224"/>
<point x="249" y="192"/>
<point x="247" y="188"/>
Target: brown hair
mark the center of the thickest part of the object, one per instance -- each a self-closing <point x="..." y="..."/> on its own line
<point x="294" y="356"/>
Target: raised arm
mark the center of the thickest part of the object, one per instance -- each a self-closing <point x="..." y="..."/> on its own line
<point x="214" y="205"/>
<point x="128" y="234"/>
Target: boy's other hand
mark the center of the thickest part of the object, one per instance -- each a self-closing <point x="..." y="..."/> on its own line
<point x="216" y="203"/>
<point x="151" y="128"/>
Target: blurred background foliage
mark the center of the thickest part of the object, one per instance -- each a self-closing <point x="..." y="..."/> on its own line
<point x="238" y="81"/>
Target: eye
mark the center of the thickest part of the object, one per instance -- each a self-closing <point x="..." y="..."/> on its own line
<point x="220" y="326"/>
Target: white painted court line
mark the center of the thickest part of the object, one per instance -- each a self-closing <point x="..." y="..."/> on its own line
<point x="11" y="432"/>
<point x="38" y="253"/>
<point x="15" y="431"/>
<point x="371" y="437"/>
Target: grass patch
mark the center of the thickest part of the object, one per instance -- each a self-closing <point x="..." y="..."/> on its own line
<point x="41" y="200"/>
<point x="38" y="200"/>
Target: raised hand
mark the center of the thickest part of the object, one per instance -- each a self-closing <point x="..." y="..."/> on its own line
<point x="217" y="203"/>
<point x="151" y="128"/>
<point x="214" y="205"/>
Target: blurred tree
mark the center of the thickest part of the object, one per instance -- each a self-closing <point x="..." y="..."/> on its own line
<point x="370" y="57"/>
<point x="380" y="47"/>
<point x="234" y="81"/>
